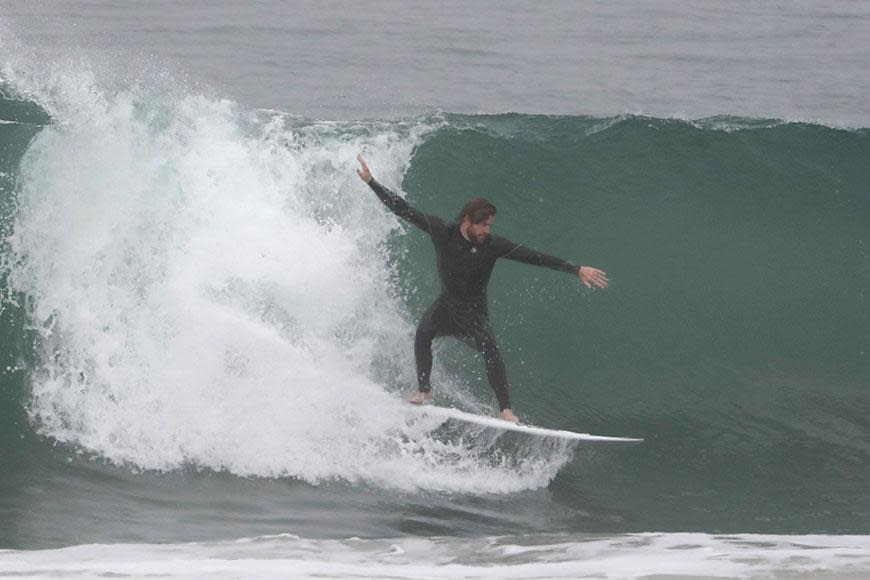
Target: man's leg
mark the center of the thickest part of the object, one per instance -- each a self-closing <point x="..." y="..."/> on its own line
<point x="429" y="328"/>
<point x="484" y="341"/>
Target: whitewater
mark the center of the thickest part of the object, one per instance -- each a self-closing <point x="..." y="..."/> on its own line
<point x="210" y="288"/>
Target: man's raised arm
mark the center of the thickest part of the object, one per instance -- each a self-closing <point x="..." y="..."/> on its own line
<point x="396" y="204"/>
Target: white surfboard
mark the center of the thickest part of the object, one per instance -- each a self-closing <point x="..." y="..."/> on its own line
<point x="497" y="423"/>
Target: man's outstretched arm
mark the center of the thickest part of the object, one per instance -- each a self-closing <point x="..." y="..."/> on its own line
<point x="513" y="251"/>
<point x="396" y="204"/>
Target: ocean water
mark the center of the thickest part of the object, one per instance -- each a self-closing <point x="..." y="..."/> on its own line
<point x="207" y="318"/>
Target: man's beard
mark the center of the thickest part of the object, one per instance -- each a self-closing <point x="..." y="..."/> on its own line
<point x="477" y="239"/>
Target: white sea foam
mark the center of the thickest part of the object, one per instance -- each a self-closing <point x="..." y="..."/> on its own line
<point x="629" y="556"/>
<point x="210" y="287"/>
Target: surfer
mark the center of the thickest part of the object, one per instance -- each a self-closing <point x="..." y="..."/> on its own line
<point x="466" y="252"/>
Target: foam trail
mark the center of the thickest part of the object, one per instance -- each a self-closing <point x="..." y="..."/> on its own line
<point x="210" y="287"/>
<point x="629" y="556"/>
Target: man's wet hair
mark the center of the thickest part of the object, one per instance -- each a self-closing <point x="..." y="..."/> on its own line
<point x="478" y="209"/>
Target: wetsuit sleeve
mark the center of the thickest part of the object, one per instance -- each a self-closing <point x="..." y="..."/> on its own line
<point x="405" y="210"/>
<point x="505" y="248"/>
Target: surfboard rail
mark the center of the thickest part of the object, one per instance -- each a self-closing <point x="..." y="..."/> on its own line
<point x="497" y="423"/>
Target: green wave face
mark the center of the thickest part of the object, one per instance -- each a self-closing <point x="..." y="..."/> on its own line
<point x="735" y="256"/>
<point x="735" y="332"/>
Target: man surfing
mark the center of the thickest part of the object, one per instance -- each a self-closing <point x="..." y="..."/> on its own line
<point x="465" y="252"/>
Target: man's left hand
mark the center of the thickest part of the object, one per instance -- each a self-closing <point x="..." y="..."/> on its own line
<point x="593" y="277"/>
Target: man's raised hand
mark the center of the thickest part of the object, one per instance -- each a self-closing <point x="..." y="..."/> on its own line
<point x="363" y="171"/>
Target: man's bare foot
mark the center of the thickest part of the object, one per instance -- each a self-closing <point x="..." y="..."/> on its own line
<point x="508" y="415"/>
<point x="420" y="398"/>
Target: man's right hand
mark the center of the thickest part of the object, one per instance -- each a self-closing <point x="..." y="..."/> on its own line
<point x="363" y="171"/>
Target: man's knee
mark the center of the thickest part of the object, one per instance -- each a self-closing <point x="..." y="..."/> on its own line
<point x="485" y="343"/>
<point x="425" y="335"/>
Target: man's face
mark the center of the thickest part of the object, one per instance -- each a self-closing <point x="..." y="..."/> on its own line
<point x="477" y="233"/>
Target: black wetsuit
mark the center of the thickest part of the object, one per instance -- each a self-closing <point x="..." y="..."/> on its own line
<point x="464" y="269"/>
